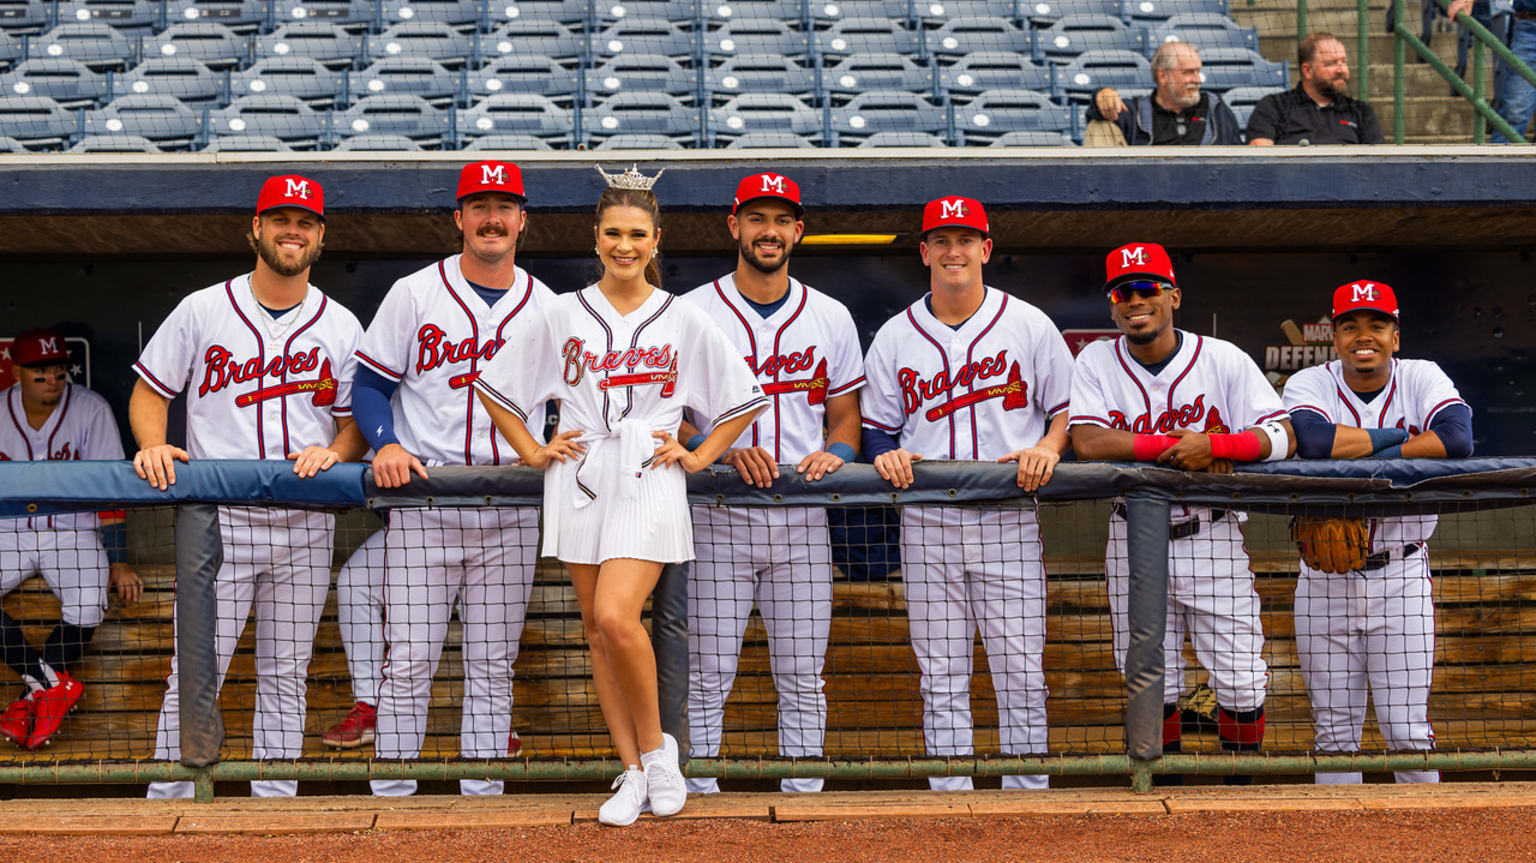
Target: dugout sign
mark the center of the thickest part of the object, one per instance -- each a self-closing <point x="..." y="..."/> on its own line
<point x="79" y="361"/>
<point x="1307" y="344"/>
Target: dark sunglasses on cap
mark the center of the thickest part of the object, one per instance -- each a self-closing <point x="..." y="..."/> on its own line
<point x="1122" y="292"/>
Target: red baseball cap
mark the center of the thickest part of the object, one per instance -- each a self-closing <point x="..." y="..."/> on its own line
<point x="1138" y="260"/>
<point x="39" y="347"/>
<point x="491" y="176"/>
<point x="955" y="212"/>
<point x="1375" y="296"/>
<point x="291" y="190"/>
<point x="775" y="186"/>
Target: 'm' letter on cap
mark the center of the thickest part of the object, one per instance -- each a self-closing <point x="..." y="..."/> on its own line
<point x="1373" y="296"/>
<point x="1138" y="261"/>
<point x="38" y="347"/>
<point x="776" y="186"/>
<point x="955" y="212"/>
<point x="491" y="176"/>
<point x="291" y="190"/>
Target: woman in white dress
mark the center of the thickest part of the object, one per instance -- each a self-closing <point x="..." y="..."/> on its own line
<point x="623" y="358"/>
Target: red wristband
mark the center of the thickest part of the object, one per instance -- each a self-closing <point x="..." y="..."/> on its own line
<point x="1236" y="447"/>
<point x="1147" y="447"/>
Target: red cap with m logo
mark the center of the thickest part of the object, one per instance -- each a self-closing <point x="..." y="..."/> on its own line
<point x="39" y="347"/>
<point x="775" y="186"/>
<point x="1372" y="296"/>
<point x="1138" y="261"/>
<point x="491" y="176"/>
<point x="291" y="190"/>
<point x="955" y="212"/>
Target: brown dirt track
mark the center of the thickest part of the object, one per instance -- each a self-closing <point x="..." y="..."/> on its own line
<point x="1482" y="823"/>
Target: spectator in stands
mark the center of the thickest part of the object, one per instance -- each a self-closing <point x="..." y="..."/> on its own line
<point x="1517" y="96"/>
<point x="1320" y="109"/>
<point x="1176" y="113"/>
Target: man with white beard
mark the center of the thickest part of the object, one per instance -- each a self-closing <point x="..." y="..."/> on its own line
<point x="1176" y="113"/>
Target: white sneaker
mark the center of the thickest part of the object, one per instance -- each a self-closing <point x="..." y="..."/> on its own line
<point x="625" y="806"/>
<point x="664" y="780"/>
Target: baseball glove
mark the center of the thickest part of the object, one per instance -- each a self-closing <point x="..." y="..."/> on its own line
<point x="1197" y="710"/>
<point x="1335" y="545"/>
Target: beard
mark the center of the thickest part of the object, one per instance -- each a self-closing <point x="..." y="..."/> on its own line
<point x="749" y="255"/>
<point x="1333" y="88"/>
<point x="286" y="267"/>
<point x="1185" y="98"/>
<point x="1143" y="338"/>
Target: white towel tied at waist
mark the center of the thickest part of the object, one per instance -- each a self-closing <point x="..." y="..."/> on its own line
<point x="636" y="449"/>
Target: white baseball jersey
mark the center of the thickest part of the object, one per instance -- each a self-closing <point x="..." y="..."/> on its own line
<point x="803" y="354"/>
<point x="80" y="427"/>
<point x="256" y="387"/>
<point x="434" y="335"/>
<point x="978" y="392"/>
<point x="1417" y="391"/>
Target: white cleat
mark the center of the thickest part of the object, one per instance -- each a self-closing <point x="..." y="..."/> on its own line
<point x="667" y="789"/>
<point x="628" y="802"/>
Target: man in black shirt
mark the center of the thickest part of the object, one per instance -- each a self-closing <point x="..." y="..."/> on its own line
<point x="1176" y="113"/>
<point x="1320" y="109"/>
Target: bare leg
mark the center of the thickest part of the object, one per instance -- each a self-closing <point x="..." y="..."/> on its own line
<point x="623" y="663"/>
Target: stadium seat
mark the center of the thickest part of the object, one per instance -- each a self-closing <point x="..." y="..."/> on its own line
<point x="886" y="111"/>
<point x="241" y="16"/>
<point x="10" y="145"/>
<point x="432" y="39"/>
<point x="645" y="36"/>
<point x="377" y="143"/>
<point x="640" y="73"/>
<point x="1091" y="71"/>
<point x="765" y="112"/>
<point x="25" y="16"/>
<point x="996" y="112"/>
<point x="286" y="118"/>
<point x="642" y="113"/>
<point x="161" y="118"/>
<point x="134" y="17"/>
<point x="36" y="121"/>
<point x="529" y="37"/>
<point x="903" y="139"/>
<point x="1073" y="34"/>
<point x="509" y="142"/>
<point x="394" y="114"/>
<point x="515" y="113"/>
<point x="414" y="76"/>
<point x="10" y="50"/>
<point x="525" y="73"/>
<point x="351" y="15"/>
<point x="770" y="141"/>
<point x="758" y="73"/>
<point x="1034" y="139"/>
<point x="1043" y="13"/>
<point x="941" y="10"/>
<point x="300" y="77"/>
<point x="572" y="13"/>
<point x="318" y="40"/>
<point x="684" y="12"/>
<point x="114" y="144"/>
<point x="717" y="12"/>
<point x="1143" y="12"/>
<point x="994" y="70"/>
<point x="67" y="82"/>
<point x="462" y="14"/>
<point x="183" y="77"/>
<point x="247" y="144"/>
<point x="827" y="11"/>
<point x="756" y="36"/>
<point x="1242" y="99"/>
<point x="1225" y="68"/>
<point x="866" y="36"/>
<point x="860" y="72"/>
<point x="638" y="142"/>
<point x="215" y="45"/>
<point x="1204" y="31"/>
<point x="959" y="36"/>
<point x="98" y="46"/>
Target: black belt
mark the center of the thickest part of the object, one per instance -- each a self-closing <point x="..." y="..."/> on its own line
<point x="1181" y="529"/>
<point x="1526" y="16"/>
<point x="1384" y="557"/>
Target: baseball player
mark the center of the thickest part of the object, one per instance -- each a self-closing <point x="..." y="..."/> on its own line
<point x="1161" y="394"/>
<point x="1371" y="628"/>
<point x="50" y="419"/>
<point x="265" y="360"/>
<point x="434" y="333"/>
<point x="972" y="373"/>
<point x="804" y="348"/>
<point x="624" y="358"/>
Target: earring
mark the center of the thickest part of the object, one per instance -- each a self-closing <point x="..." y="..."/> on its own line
<point x="595" y="251"/>
<point x="653" y="253"/>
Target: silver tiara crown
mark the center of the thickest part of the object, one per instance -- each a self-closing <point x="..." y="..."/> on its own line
<point x="631" y="179"/>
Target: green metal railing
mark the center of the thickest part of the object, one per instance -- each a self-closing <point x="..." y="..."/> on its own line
<point x="1475" y="93"/>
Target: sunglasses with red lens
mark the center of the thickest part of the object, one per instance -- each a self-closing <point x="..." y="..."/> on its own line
<point x="1122" y="292"/>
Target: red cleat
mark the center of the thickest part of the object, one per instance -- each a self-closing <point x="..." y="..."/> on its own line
<point x="514" y="744"/>
<point x="354" y="731"/>
<point x="16" y="722"/>
<point x="52" y="705"/>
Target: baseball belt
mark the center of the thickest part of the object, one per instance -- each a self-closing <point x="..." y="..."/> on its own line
<point x="1182" y="529"/>
<point x="1385" y="556"/>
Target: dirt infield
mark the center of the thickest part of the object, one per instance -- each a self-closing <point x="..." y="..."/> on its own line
<point x="1481" y="823"/>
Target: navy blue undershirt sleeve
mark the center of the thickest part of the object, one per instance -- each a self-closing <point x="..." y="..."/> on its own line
<point x="370" y="407"/>
<point x="876" y="441"/>
<point x="1314" y="434"/>
<point x="1453" y="425"/>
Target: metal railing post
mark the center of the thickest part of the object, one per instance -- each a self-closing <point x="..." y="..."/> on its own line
<point x="1301" y="20"/>
<point x="1399" y="84"/>
<point x="1363" y="49"/>
<point x="1479" y="91"/>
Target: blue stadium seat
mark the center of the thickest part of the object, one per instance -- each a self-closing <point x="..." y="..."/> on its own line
<point x="1204" y="31"/>
<point x="764" y="112"/>
<point x="414" y="76"/>
<point x="637" y="73"/>
<point x="134" y="17"/>
<point x="515" y="113"/>
<point x="529" y="37"/>
<point x="377" y="144"/>
<point x="886" y="111"/>
<point x="247" y="144"/>
<point x="903" y="139"/>
<point x="458" y="13"/>
<point x="642" y="113"/>
<point x="1034" y="139"/>
<point x="1043" y="13"/>
<point x="432" y="39"/>
<point x="860" y="72"/>
<point x="645" y="36"/>
<point x="10" y="145"/>
<point x="996" y="112"/>
<point x="717" y="12"/>
<point x="241" y="16"/>
<point x="756" y="36"/>
<point x="1143" y="12"/>
<point x="160" y="118"/>
<point x="1225" y="68"/>
<point x="639" y="142"/>
<point x="959" y="36"/>
<point x="98" y="46"/>
<point x="285" y="117"/>
<point x="214" y="45"/>
<point x="866" y="35"/>
<point x="36" y="121"/>
<point x="827" y="11"/>
<point x="318" y="40"/>
<point x="1074" y="34"/>
<point x="300" y="77"/>
<point x="684" y="12"/>
<point x="572" y="13"/>
<point x="758" y="73"/>
<point x="26" y="16"/>
<point x="1242" y="99"/>
<point x="395" y="114"/>
<point x="10" y="50"/>
<point x="995" y="70"/>
<point x="525" y="73"/>
<point x="770" y="141"/>
<point x="114" y="144"/>
<point x="940" y="10"/>
<point x="1091" y="71"/>
<point x="67" y="82"/>
<point x="509" y="142"/>
<point x="352" y="15"/>
<point x="182" y="77"/>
